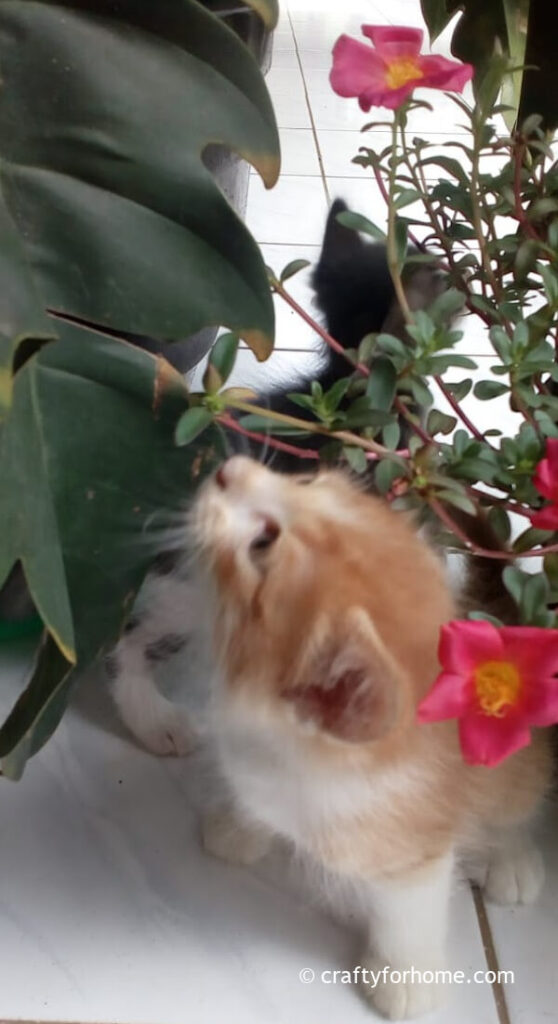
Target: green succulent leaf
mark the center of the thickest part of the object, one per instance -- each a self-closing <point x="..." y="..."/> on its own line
<point x="487" y="389"/>
<point x="356" y="458"/>
<point x="191" y="424"/>
<point x="292" y="268"/>
<point x="359" y="223"/>
<point x="223" y="355"/>
<point x="381" y="384"/>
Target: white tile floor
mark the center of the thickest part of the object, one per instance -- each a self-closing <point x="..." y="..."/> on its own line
<point x="110" y="912"/>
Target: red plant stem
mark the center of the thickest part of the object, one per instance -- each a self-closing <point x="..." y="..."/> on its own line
<point x="333" y="344"/>
<point x="337" y="347"/>
<point x="381" y="184"/>
<point x="459" y="411"/>
<point x="510" y="506"/>
<point x="506" y="556"/>
<point x="301" y="453"/>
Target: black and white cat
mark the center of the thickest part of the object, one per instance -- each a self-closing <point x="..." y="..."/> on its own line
<point x="355" y="294"/>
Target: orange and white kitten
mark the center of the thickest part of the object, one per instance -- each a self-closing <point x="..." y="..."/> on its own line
<point x="327" y="607"/>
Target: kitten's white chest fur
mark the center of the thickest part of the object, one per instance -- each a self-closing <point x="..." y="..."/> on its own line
<point x="277" y="784"/>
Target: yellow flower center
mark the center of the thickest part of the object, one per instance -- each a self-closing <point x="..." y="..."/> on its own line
<point x="402" y="70"/>
<point x="497" y="684"/>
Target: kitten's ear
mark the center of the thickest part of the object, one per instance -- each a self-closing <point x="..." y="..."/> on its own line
<point x="339" y="242"/>
<point x="349" y="685"/>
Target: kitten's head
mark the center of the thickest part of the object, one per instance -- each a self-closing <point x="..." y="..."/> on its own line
<point x="352" y="282"/>
<point x="328" y="605"/>
<point x="354" y="289"/>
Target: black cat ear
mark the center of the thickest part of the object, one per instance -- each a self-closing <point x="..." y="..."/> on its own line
<point x="339" y="242"/>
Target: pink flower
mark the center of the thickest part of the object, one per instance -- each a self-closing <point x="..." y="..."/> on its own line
<point x="385" y="76"/>
<point x="546" y="482"/>
<point x="498" y="682"/>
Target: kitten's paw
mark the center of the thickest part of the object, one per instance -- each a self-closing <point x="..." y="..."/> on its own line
<point x="397" y="995"/>
<point x="226" y="837"/>
<point x="170" y="735"/>
<point x="515" y="876"/>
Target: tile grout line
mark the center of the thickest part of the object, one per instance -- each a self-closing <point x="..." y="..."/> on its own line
<point x="310" y="114"/>
<point x="491" y="956"/>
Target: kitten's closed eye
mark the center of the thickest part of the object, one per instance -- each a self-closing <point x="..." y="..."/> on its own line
<point x="266" y="537"/>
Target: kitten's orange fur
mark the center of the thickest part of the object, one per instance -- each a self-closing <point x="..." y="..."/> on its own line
<point x="326" y="638"/>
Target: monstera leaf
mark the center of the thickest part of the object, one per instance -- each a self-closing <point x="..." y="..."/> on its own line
<point x="109" y="219"/>
<point x="105" y="110"/>
<point x="22" y="318"/>
<point x="524" y="30"/>
<point x="91" y="482"/>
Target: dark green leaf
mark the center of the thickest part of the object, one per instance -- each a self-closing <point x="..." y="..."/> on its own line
<point x="446" y="306"/>
<point x="461" y="389"/>
<point x="386" y="472"/>
<point x="485" y="617"/>
<point x="514" y="581"/>
<point x="22" y="317"/>
<point x="439" y="423"/>
<point x="525" y="259"/>
<point x="486" y="389"/>
<point x="437" y="14"/>
<point x="223" y="355"/>
<point x="389" y="343"/>
<point x="336" y="393"/>
<point x="420" y="392"/>
<point x="121" y="222"/>
<point x="303" y="401"/>
<point x="356" y="458"/>
<point x="461" y="441"/>
<point x="405" y="197"/>
<point x="293" y="268"/>
<point x="530" y="538"/>
<point x="391" y="435"/>
<point x="192" y="423"/>
<point x="541" y="208"/>
<point x="37" y="711"/>
<point x="211" y="380"/>
<point x="380" y="386"/>
<point x="458" y="499"/>
<point x="400" y="241"/>
<point x="90" y="432"/>
<point x="499" y="521"/>
<point x="534" y="600"/>
<point x="367" y="348"/>
<point x="359" y="223"/>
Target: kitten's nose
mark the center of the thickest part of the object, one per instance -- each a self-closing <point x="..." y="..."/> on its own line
<point x="220" y="477"/>
<point x="233" y="469"/>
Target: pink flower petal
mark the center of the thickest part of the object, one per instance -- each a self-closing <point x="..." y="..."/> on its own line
<point x="552" y="453"/>
<point x="532" y="649"/>
<point x="540" y="705"/>
<point x="464" y="645"/>
<point x="546" y="473"/>
<point x="547" y="518"/>
<point x="440" y="73"/>
<point x="546" y="480"/>
<point x="355" y="68"/>
<point x="488" y="740"/>
<point x="392" y="41"/>
<point x="383" y="96"/>
<point x="449" y="698"/>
